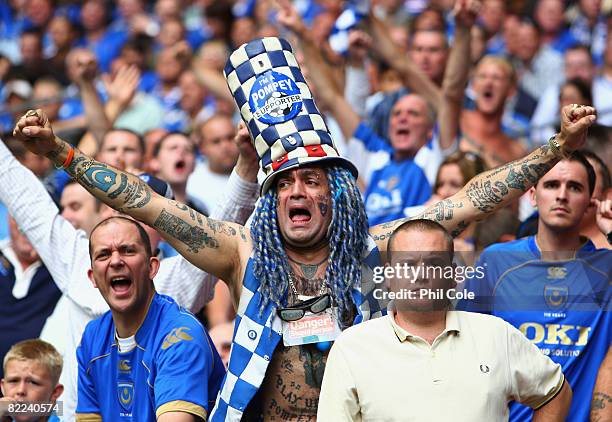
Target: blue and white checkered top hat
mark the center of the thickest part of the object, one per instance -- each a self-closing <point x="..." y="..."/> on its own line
<point x="277" y="107"/>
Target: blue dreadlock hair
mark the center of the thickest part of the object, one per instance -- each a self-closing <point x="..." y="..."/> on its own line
<point x="347" y="235"/>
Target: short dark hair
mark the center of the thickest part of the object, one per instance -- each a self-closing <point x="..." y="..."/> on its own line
<point x="583" y="88"/>
<point x="98" y="203"/>
<point x="606" y="179"/>
<point x="141" y="142"/>
<point x="158" y="146"/>
<point x="34" y="32"/>
<point x="421" y="225"/>
<point x="578" y="156"/>
<point x="144" y="237"/>
<point x="581" y="47"/>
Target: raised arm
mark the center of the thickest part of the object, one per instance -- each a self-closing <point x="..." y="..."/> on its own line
<point x="319" y="72"/>
<point x="457" y="72"/>
<point x="211" y="245"/>
<point x="97" y="122"/>
<point x="413" y="77"/>
<point x="120" y="90"/>
<point x="494" y="189"/>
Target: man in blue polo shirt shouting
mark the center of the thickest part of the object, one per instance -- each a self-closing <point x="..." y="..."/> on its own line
<point x="147" y="358"/>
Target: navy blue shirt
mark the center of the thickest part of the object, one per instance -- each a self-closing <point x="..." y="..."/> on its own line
<point x="23" y="319"/>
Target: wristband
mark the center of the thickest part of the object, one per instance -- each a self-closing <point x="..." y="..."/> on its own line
<point x="609" y="236"/>
<point x="557" y="148"/>
<point x="68" y="159"/>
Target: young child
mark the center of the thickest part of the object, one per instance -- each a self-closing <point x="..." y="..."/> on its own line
<point x="31" y="374"/>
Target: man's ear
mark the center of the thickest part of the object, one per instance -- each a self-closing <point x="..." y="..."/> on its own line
<point x="453" y="283"/>
<point x="153" y="266"/>
<point x="91" y="277"/>
<point x="532" y="197"/>
<point x="57" y="391"/>
<point x="387" y="282"/>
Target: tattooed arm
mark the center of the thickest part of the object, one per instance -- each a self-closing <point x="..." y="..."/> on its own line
<point x="214" y="246"/>
<point x="492" y="190"/>
<point x="601" y="405"/>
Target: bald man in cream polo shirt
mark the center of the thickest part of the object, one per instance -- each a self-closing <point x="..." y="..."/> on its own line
<point x="422" y="362"/>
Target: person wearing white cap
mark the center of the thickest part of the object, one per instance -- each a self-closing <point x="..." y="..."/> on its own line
<point x="297" y="274"/>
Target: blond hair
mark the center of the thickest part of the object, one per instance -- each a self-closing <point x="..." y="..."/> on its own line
<point x="39" y="351"/>
<point x="502" y="62"/>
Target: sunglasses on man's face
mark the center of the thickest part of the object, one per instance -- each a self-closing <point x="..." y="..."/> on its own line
<point x="315" y="305"/>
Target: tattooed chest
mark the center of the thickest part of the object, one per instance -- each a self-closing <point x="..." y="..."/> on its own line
<point x="290" y="390"/>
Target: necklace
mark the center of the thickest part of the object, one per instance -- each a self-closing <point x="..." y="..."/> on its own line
<point x="309" y="270"/>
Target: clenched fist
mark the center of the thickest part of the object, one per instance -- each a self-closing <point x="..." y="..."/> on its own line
<point x="36" y="133"/>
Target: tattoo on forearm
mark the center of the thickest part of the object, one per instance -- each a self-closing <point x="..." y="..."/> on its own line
<point x="194" y="237"/>
<point x="389" y="225"/>
<point x="486" y="196"/>
<point x="98" y="176"/>
<point x="122" y="186"/>
<point x="137" y="194"/>
<point x="461" y="226"/>
<point x="56" y="152"/>
<point x="76" y="162"/>
<point x="242" y="233"/>
<point x="380" y="237"/>
<point x="195" y="216"/>
<point x="442" y="210"/>
<point x="600" y="400"/>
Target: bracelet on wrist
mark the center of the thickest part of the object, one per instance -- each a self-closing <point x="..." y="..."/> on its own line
<point x="609" y="237"/>
<point x="556" y="147"/>
<point x="68" y="159"/>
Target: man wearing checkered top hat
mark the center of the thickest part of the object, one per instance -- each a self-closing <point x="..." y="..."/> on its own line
<point x="295" y="275"/>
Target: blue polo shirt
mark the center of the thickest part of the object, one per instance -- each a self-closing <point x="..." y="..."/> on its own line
<point x="174" y="367"/>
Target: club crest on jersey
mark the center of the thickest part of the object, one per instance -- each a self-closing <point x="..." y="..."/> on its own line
<point x="556" y="296"/>
<point x="124" y="365"/>
<point x="274" y="98"/>
<point x="125" y="393"/>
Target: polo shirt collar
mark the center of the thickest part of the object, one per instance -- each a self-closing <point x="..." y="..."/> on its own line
<point x="453" y="324"/>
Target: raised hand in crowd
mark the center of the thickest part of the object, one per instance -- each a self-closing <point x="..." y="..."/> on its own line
<point x="359" y="43"/>
<point x="248" y="164"/>
<point x="121" y="88"/>
<point x="85" y="69"/>
<point x="604" y="212"/>
<point x="466" y="12"/>
<point x="289" y="17"/>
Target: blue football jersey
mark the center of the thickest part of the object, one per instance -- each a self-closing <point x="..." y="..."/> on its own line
<point x="563" y="307"/>
<point x="397" y="185"/>
<point x="174" y="367"/>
